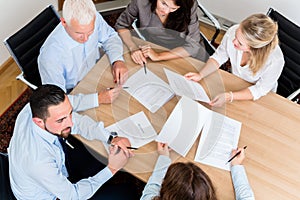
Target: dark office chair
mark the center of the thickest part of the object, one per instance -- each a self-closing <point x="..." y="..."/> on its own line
<point x="289" y="41"/>
<point x="5" y="190"/>
<point x="209" y="44"/>
<point x="24" y="46"/>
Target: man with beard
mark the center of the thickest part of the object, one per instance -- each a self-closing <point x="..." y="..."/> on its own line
<point x="36" y="156"/>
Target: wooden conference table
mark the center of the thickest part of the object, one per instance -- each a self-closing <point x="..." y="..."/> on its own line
<point x="270" y="129"/>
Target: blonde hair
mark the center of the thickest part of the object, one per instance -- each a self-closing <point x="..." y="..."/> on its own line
<point x="83" y="11"/>
<point x="260" y="31"/>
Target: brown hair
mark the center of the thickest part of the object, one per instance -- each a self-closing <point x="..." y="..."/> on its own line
<point x="181" y="18"/>
<point x="186" y="181"/>
<point x="260" y="32"/>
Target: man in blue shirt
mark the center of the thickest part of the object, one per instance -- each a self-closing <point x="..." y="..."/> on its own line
<point x="36" y="157"/>
<point x="72" y="49"/>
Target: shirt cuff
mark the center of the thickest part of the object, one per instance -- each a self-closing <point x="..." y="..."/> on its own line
<point x="95" y="99"/>
<point x="103" y="176"/>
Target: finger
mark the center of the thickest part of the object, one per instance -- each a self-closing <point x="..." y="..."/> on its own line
<point x="117" y="77"/>
<point x="114" y="75"/>
<point x="118" y="150"/>
<point x="113" y="149"/>
<point x="145" y="47"/>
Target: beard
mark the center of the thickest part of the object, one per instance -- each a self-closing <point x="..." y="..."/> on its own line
<point x="64" y="133"/>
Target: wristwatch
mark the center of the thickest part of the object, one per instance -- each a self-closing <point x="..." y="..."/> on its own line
<point x="111" y="137"/>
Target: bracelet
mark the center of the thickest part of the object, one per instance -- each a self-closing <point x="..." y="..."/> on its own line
<point x="231" y="97"/>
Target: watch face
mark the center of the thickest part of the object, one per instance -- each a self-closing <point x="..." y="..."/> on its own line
<point x="114" y="133"/>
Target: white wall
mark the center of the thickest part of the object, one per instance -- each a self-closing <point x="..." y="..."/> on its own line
<point x="14" y="14"/>
<point x="237" y="10"/>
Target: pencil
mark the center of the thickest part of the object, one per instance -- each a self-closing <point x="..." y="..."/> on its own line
<point x="235" y="155"/>
<point x="134" y="148"/>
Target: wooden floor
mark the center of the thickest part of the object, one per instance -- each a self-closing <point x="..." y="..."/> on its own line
<point x="11" y="89"/>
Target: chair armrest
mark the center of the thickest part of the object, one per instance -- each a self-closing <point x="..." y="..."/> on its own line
<point x="21" y="78"/>
<point x="294" y="94"/>
<point x="137" y="30"/>
<point x="212" y="19"/>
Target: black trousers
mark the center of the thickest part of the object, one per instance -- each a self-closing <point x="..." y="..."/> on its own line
<point x="81" y="163"/>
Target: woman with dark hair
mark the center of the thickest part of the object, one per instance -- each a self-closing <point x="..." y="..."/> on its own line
<point x="169" y="23"/>
<point x="187" y="181"/>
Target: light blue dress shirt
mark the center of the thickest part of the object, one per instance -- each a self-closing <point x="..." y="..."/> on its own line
<point x="36" y="159"/>
<point x="242" y="188"/>
<point x="64" y="62"/>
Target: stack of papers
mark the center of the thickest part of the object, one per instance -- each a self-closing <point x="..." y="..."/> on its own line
<point x="183" y="87"/>
<point x="149" y="89"/>
<point x="136" y="128"/>
<point x="183" y="125"/>
<point x="219" y="136"/>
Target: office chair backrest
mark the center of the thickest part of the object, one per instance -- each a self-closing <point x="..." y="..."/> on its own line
<point x="5" y="190"/>
<point x="289" y="41"/>
<point x="25" y="44"/>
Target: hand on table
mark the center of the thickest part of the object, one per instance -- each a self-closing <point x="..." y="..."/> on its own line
<point x="109" y="95"/>
<point x="220" y="99"/>
<point x="117" y="158"/>
<point x="163" y="149"/>
<point x="138" y="57"/>
<point x="120" y="72"/>
<point x="148" y="52"/>
<point x="239" y="158"/>
<point x="193" y="76"/>
<point x="123" y="143"/>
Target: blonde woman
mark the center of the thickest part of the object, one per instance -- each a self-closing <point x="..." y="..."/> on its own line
<point x="255" y="56"/>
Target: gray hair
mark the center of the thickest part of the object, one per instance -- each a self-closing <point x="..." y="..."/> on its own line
<point x="83" y="11"/>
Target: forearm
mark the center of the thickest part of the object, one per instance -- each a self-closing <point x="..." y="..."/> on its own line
<point x="211" y="66"/>
<point x="114" y="48"/>
<point x="240" y="182"/>
<point x="178" y="52"/>
<point x="243" y="94"/>
<point x="127" y="39"/>
<point x="88" y="128"/>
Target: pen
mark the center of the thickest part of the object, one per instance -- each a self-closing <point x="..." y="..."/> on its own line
<point x="145" y="67"/>
<point x="68" y="143"/>
<point x="110" y="88"/>
<point x="134" y="148"/>
<point x="238" y="153"/>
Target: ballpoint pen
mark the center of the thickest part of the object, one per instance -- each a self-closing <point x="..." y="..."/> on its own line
<point x="235" y="155"/>
<point x="145" y="67"/>
<point x="110" y="88"/>
<point x="134" y="148"/>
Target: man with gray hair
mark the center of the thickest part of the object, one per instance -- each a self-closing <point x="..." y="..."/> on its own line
<point x="72" y="49"/>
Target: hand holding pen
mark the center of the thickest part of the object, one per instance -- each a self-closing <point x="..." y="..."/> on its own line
<point x="108" y="95"/>
<point x="237" y="156"/>
<point x="138" y="57"/>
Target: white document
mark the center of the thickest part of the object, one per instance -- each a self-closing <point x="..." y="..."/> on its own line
<point x="183" y="125"/>
<point x="183" y="87"/>
<point x="149" y="89"/>
<point x="219" y="137"/>
<point x="136" y="128"/>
